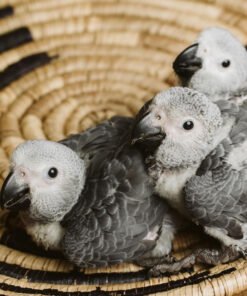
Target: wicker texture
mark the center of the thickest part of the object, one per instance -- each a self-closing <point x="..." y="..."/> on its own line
<point x="67" y="65"/>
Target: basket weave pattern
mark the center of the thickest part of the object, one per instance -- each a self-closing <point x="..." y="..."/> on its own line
<point x="67" y="65"/>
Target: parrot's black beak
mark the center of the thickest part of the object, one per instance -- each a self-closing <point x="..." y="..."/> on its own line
<point x="144" y="132"/>
<point x="13" y="196"/>
<point x="187" y="63"/>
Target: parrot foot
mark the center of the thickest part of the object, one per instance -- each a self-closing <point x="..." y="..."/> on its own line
<point x="244" y="253"/>
<point x="216" y="256"/>
<point x="172" y="267"/>
<point x="153" y="261"/>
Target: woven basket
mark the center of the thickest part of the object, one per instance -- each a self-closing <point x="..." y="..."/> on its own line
<point x="67" y="65"/>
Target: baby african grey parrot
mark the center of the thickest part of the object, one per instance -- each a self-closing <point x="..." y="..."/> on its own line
<point x="216" y="65"/>
<point x="176" y="131"/>
<point x="90" y="197"/>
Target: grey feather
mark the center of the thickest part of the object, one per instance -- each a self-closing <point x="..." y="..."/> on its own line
<point x="116" y="209"/>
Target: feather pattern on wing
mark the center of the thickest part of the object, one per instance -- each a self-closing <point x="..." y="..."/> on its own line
<point x="217" y="195"/>
<point x="116" y="210"/>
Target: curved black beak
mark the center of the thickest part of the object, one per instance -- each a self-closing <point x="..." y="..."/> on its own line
<point x="187" y="63"/>
<point x="146" y="134"/>
<point x="13" y="196"/>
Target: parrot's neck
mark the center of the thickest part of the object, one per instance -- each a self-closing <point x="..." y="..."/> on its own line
<point x="223" y="131"/>
<point x="48" y="235"/>
<point x="239" y="96"/>
<point x="169" y="184"/>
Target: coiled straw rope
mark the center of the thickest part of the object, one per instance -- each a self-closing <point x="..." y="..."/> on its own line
<point x="69" y="64"/>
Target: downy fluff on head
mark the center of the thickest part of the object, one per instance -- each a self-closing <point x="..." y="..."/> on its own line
<point x="189" y="120"/>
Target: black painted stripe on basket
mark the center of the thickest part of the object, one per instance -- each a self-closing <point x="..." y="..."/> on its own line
<point x="69" y="278"/>
<point x="15" y="38"/>
<point x="24" y="66"/>
<point x="192" y="280"/>
<point x="148" y="290"/>
<point x="6" y="11"/>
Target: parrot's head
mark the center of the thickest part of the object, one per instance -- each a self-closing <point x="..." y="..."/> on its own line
<point x="177" y="127"/>
<point x="216" y="64"/>
<point x="45" y="180"/>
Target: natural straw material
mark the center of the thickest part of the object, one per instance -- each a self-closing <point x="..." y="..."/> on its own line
<point x="67" y="65"/>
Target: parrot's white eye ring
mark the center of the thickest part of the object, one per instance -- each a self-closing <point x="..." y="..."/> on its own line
<point x="188" y="125"/>
<point x="158" y="117"/>
<point x="53" y="172"/>
<point x="226" y="63"/>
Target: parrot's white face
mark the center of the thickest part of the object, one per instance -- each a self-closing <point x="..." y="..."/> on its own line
<point x="222" y="63"/>
<point x="188" y="120"/>
<point x="186" y="142"/>
<point x="48" y="175"/>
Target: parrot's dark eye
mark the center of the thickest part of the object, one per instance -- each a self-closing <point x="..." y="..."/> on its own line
<point x="226" y="63"/>
<point x="52" y="173"/>
<point x="188" y="125"/>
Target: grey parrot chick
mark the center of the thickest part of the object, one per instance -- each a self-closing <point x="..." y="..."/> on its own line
<point x="195" y="152"/>
<point x="176" y="130"/>
<point x="215" y="64"/>
<point x="44" y="182"/>
<point x="90" y="197"/>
